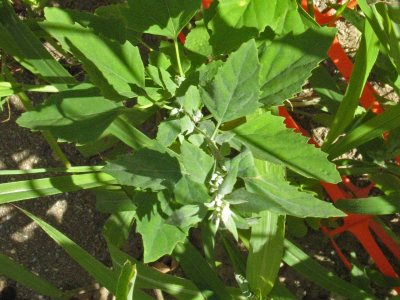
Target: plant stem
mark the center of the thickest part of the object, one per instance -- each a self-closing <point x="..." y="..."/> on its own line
<point x="178" y="58"/>
<point x="47" y="135"/>
<point x="215" y="131"/>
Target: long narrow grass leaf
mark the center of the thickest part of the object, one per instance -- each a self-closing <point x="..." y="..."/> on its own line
<point x="126" y="282"/>
<point x="15" y="271"/>
<point x="34" y="188"/>
<point x="79" y="169"/>
<point x="100" y="272"/>
<point x="149" y="278"/>
<point x="373" y="128"/>
<point x="265" y="253"/>
<point x="307" y="267"/>
<point x="196" y="268"/>
<point x="379" y="205"/>
<point x="365" y="60"/>
<point x="19" y="41"/>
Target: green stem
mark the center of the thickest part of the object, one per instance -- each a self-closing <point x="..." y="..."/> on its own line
<point x="215" y="131"/>
<point x="178" y="58"/>
<point x="47" y="135"/>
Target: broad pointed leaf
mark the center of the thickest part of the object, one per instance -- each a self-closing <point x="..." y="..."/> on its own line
<point x="241" y="20"/>
<point x="286" y="63"/>
<point x="80" y="114"/>
<point x="269" y="139"/>
<point x="162" y="17"/>
<point x="235" y="90"/>
<point x="116" y="229"/>
<point x="145" y="169"/>
<point x="115" y="68"/>
<point x="280" y="197"/>
<point x="197" y="163"/>
<point x="187" y="191"/>
<point x="159" y="237"/>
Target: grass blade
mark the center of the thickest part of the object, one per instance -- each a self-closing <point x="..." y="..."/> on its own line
<point x="79" y="169"/>
<point x="374" y="127"/>
<point x="16" y="272"/>
<point x="380" y="205"/>
<point x="149" y="278"/>
<point x="313" y="271"/>
<point x="265" y="253"/>
<point x="100" y="272"/>
<point x="34" y="188"/>
<point x="365" y="59"/>
<point x="126" y="282"/>
<point x="19" y="41"/>
<point x="196" y="268"/>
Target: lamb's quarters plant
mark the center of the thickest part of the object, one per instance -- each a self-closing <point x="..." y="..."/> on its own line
<point x="220" y="160"/>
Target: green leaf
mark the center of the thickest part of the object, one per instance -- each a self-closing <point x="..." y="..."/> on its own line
<point x="187" y="191"/>
<point x="280" y="292"/>
<point x="16" y="272"/>
<point x="287" y="62"/>
<point x="161" y="17"/>
<point x="234" y="92"/>
<point x="380" y="205"/>
<point x="113" y="200"/>
<point x="80" y="114"/>
<point x="145" y="169"/>
<point x="196" y="268"/>
<point x="113" y="67"/>
<point x="11" y="88"/>
<point x="77" y="169"/>
<point x="197" y="163"/>
<point x="280" y="197"/>
<point x="269" y="139"/>
<point x="197" y="43"/>
<point x="159" y="237"/>
<point x="114" y="15"/>
<point x="241" y="20"/>
<point x="17" y="40"/>
<point x="116" y="229"/>
<point x="100" y="272"/>
<point x="34" y="188"/>
<point x="307" y="267"/>
<point x="187" y="216"/>
<point x="126" y="282"/>
<point x="265" y="253"/>
<point x="373" y="128"/>
<point x="326" y="87"/>
<point x="365" y="59"/>
<point x="168" y="131"/>
<point x="103" y="22"/>
<point x="190" y="100"/>
<point x="123" y="129"/>
<point x="150" y="278"/>
<point x="162" y="78"/>
<point x="382" y="18"/>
